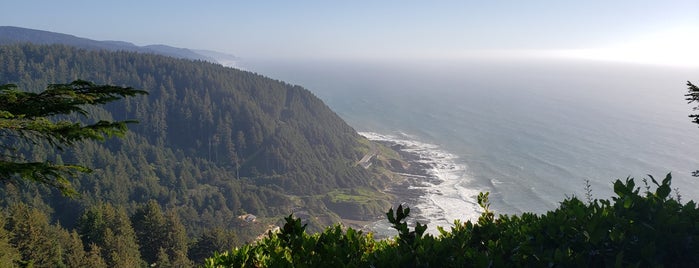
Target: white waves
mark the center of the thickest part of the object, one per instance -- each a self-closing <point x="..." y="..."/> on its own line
<point x="445" y="194"/>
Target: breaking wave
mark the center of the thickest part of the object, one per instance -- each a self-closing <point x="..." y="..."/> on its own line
<point x="443" y="185"/>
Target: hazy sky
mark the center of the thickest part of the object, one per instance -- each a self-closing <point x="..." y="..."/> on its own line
<point x="635" y="30"/>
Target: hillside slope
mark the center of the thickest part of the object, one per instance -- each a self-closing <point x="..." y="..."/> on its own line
<point x="213" y="143"/>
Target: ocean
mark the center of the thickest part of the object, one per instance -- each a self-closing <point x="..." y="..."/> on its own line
<point x="530" y="132"/>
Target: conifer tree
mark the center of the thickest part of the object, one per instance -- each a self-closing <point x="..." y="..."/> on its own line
<point x="212" y="240"/>
<point x="162" y="259"/>
<point x="32" y="117"/>
<point x="9" y="255"/>
<point x="109" y="228"/>
<point x="74" y="253"/>
<point x="161" y="233"/>
<point x="176" y="240"/>
<point x="149" y="224"/>
<point x="32" y="237"/>
<point x="93" y="258"/>
<point x="693" y="96"/>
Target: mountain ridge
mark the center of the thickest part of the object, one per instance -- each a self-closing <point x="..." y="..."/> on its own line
<point x="13" y="34"/>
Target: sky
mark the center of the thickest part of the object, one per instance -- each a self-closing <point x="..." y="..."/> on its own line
<point x="656" y="32"/>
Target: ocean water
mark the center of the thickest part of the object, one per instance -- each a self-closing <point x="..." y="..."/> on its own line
<point x="529" y="132"/>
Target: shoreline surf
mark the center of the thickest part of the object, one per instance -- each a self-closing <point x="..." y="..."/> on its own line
<point x="436" y="187"/>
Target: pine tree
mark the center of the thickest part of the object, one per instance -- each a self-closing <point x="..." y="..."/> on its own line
<point x="9" y="256"/>
<point x="212" y="240"/>
<point x="693" y="96"/>
<point x="162" y="259"/>
<point x="94" y="258"/>
<point x="31" y="117"/>
<point x="149" y="226"/>
<point x="74" y="253"/>
<point x="32" y="237"/>
<point x="109" y="228"/>
<point x="177" y="242"/>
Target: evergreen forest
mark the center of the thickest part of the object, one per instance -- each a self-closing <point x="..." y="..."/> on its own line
<point x="218" y="157"/>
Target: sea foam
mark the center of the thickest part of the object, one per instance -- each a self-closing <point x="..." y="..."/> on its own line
<point x="445" y="194"/>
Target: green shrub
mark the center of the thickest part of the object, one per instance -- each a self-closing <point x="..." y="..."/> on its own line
<point x="633" y="229"/>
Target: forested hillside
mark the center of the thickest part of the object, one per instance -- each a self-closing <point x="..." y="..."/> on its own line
<point x="14" y="35"/>
<point x="213" y="144"/>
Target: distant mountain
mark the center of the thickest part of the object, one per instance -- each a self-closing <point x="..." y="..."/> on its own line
<point x="222" y="58"/>
<point x="176" y="52"/>
<point x="11" y="35"/>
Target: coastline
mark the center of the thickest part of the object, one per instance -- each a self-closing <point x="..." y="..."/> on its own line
<point x="410" y="171"/>
<point x="416" y="173"/>
<point x="433" y="182"/>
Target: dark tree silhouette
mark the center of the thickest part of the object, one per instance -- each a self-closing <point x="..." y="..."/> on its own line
<point x="693" y="96"/>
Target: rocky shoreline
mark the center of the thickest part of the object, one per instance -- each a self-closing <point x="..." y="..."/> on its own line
<point x="413" y="171"/>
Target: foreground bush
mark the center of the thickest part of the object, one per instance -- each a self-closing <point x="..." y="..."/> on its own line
<point x="633" y="229"/>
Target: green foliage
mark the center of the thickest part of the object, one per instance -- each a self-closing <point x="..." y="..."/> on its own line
<point x="398" y="222"/>
<point x="149" y="224"/>
<point x="109" y="229"/>
<point x="26" y="116"/>
<point x="160" y="233"/>
<point x="9" y="255"/>
<point x="212" y="240"/>
<point x="28" y="240"/>
<point x="293" y="247"/>
<point x="211" y="141"/>
<point x="635" y="228"/>
<point x="693" y="96"/>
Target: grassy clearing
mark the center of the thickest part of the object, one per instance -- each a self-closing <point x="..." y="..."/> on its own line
<point x="355" y="195"/>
